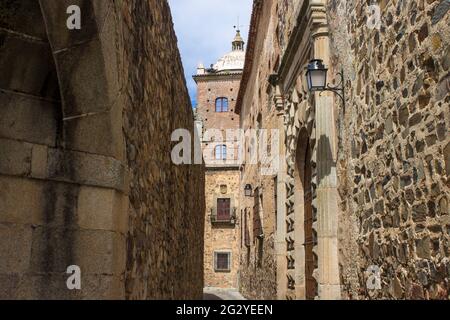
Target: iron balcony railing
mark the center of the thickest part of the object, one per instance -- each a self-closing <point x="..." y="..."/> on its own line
<point x="231" y="219"/>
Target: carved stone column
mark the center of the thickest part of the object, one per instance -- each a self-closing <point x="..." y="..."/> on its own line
<point x="327" y="274"/>
<point x="280" y="245"/>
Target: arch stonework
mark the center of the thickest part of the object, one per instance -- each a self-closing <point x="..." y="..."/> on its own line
<point x="72" y="177"/>
<point x="299" y="124"/>
<point x="88" y="74"/>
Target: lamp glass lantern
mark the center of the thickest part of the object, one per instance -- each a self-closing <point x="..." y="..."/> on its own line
<point x="248" y="190"/>
<point x="316" y="75"/>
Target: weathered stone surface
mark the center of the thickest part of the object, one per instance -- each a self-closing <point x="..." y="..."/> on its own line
<point x="447" y="159"/>
<point x="22" y="201"/>
<point x="15" y="248"/>
<point x="53" y="287"/>
<point x="39" y="161"/>
<point x="95" y="252"/>
<point x="27" y="67"/>
<point x="24" y="17"/>
<point x="28" y="119"/>
<point x="440" y="11"/>
<point x="72" y="192"/>
<point x="10" y="283"/>
<point x="102" y="209"/>
<point x="412" y="158"/>
<point x="92" y="16"/>
<point x="84" y="168"/>
<point x="167" y="202"/>
<point x="15" y="157"/>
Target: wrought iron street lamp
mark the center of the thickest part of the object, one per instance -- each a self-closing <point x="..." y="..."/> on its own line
<point x="248" y="190"/>
<point x="316" y="77"/>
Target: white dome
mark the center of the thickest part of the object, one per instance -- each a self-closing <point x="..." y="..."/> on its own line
<point x="231" y="61"/>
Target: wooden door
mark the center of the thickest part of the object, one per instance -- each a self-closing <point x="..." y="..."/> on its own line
<point x="309" y="238"/>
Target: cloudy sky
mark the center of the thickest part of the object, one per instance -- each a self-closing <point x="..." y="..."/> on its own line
<point x="205" y="30"/>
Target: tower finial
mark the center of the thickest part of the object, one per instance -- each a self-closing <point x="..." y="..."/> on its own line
<point x="238" y="42"/>
<point x="238" y="26"/>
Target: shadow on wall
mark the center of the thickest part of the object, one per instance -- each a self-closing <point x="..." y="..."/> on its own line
<point x="325" y="157"/>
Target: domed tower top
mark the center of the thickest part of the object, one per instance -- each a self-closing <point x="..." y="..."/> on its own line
<point x="233" y="61"/>
<point x="238" y="42"/>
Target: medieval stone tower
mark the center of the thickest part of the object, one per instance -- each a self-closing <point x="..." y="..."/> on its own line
<point x="218" y="87"/>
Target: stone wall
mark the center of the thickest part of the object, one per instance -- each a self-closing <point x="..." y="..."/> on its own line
<point x="258" y="275"/>
<point x="389" y="145"/>
<point x="394" y="147"/>
<point x="62" y="198"/>
<point x="221" y="237"/>
<point x="85" y="171"/>
<point x="165" y="238"/>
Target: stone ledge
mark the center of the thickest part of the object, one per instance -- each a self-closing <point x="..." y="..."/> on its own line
<point x="40" y="162"/>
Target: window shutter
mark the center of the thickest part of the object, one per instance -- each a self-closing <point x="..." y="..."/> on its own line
<point x="223" y="209"/>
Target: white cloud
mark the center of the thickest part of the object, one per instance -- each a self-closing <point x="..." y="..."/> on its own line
<point x="204" y="30"/>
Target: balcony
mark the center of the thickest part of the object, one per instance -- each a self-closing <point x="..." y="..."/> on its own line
<point x="228" y="221"/>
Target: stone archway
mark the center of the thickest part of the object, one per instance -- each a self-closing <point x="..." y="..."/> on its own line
<point x="62" y="173"/>
<point x="88" y="75"/>
<point x="29" y="89"/>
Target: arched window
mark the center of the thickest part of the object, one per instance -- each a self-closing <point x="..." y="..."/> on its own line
<point x="221" y="104"/>
<point x="221" y="152"/>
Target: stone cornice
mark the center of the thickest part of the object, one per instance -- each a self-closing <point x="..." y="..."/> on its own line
<point x="311" y="23"/>
<point x="317" y="19"/>
<point x="222" y="168"/>
<point x="297" y="46"/>
<point x="217" y="76"/>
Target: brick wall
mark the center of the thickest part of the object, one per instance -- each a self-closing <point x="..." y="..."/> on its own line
<point x="208" y="92"/>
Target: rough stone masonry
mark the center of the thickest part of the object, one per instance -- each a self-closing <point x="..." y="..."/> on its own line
<point x="394" y="170"/>
<point x="86" y="177"/>
<point x="365" y="184"/>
